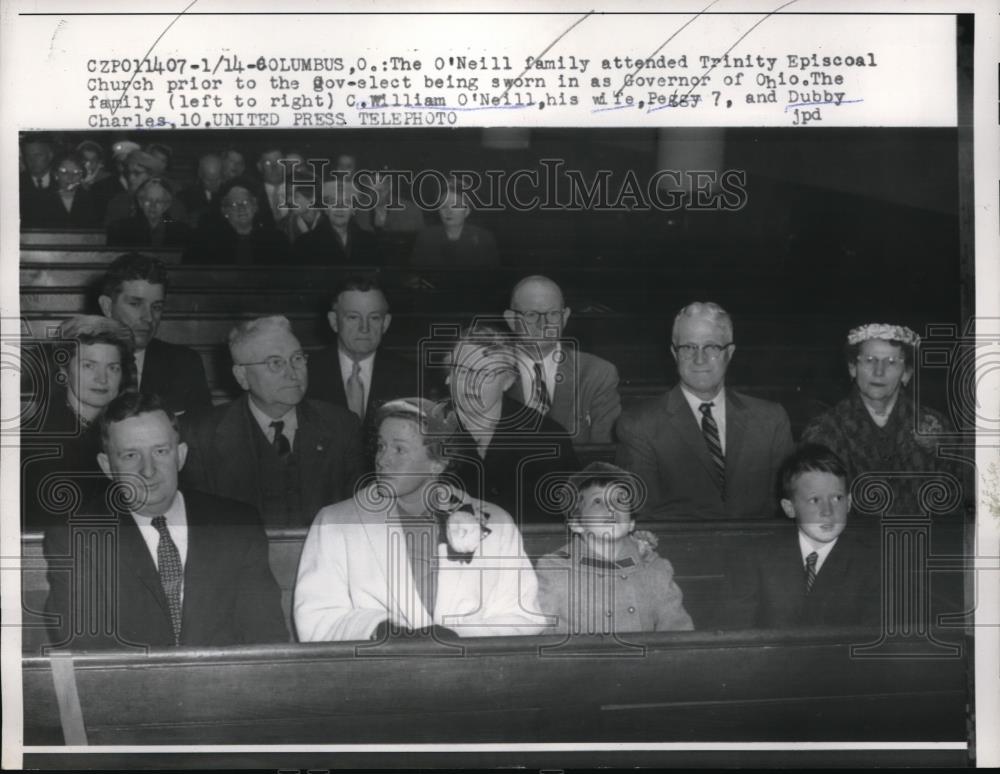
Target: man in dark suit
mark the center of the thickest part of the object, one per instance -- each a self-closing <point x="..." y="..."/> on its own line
<point x="133" y="293"/>
<point x="576" y="389"/>
<point x="703" y="451"/>
<point x="504" y="452"/>
<point x="360" y="316"/>
<point x="189" y="568"/>
<point x="286" y="456"/>
<point x="202" y="198"/>
<point x="823" y="573"/>
<point x="37" y="180"/>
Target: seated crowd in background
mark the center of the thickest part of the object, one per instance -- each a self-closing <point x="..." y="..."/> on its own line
<point x="224" y="213"/>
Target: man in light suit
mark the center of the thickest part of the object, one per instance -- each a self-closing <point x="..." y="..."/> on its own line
<point x="360" y="317"/>
<point x="576" y="389"/>
<point x="189" y="568"/>
<point x="272" y="449"/>
<point x="133" y="293"/>
<point x="705" y="452"/>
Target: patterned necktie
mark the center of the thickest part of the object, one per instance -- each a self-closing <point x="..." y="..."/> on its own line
<point x="280" y="443"/>
<point x="168" y="560"/>
<point x="811" y="570"/>
<point x="355" y="389"/>
<point x="542" y="400"/>
<point x="711" y="432"/>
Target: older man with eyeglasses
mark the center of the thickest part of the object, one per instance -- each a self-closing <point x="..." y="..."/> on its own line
<point x="272" y="448"/>
<point x="704" y="451"/>
<point x="576" y="389"/>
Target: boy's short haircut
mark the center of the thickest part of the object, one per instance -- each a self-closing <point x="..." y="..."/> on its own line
<point x="628" y="492"/>
<point x="809" y="458"/>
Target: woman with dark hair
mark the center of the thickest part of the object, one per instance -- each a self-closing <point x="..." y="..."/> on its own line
<point x="240" y="236"/>
<point x="94" y="364"/>
<point x="410" y="552"/>
<point x="67" y="203"/>
<point x="878" y="428"/>
<point x="151" y="225"/>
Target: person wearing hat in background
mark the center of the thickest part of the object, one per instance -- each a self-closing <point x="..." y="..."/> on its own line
<point x="140" y="166"/>
<point x="878" y="428"/>
<point x="151" y="226"/>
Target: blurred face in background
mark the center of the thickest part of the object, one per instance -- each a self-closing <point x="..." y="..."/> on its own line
<point x="239" y="206"/>
<point x="69" y="174"/>
<point x="154" y="200"/>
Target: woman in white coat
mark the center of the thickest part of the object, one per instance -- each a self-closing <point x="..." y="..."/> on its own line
<point x="410" y="552"/>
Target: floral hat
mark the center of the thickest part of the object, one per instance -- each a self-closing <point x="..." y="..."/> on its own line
<point x="883" y="331"/>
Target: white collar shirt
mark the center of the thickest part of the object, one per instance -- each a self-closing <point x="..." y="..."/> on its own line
<point x="807" y="545"/>
<point x="290" y="419"/>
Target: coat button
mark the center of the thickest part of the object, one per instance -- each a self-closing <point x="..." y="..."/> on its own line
<point x="631" y="609"/>
<point x="608" y="614"/>
<point x="623" y="577"/>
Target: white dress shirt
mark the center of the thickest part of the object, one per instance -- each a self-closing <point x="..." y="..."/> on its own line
<point x="718" y="411"/>
<point x="177" y="526"/>
<point x="290" y="418"/>
<point x="807" y="545"/>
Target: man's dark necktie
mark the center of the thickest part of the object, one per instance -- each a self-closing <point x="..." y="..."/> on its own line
<point x="811" y="570"/>
<point x="168" y="560"/>
<point x="280" y="443"/>
<point x="711" y="432"/>
<point x="542" y="400"/>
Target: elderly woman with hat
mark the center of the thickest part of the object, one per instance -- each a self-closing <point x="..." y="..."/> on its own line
<point x="140" y="166"/>
<point x="410" y="553"/>
<point x="878" y="428"/>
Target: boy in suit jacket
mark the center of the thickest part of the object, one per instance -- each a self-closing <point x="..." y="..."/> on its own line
<point x="823" y="574"/>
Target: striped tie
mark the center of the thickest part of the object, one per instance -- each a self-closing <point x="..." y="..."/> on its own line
<point x="168" y="561"/>
<point x="711" y="432"/>
<point x="811" y="570"/>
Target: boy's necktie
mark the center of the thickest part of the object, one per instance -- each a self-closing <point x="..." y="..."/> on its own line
<point x="811" y="570"/>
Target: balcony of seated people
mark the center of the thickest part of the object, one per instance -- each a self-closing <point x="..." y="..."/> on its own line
<point x="708" y="685"/>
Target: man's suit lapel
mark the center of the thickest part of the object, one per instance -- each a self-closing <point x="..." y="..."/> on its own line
<point x="564" y="397"/>
<point x="236" y="452"/>
<point x="311" y="444"/>
<point x="153" y="368"/>
<point x="134" y="558"/>
<point x="687" y="428"/>
<point x="736" y="432"/>
<point x="786" y="575"/>
<point x="200" y="570"/>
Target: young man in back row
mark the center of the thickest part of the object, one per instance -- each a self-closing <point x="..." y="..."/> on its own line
<point x="822" y="574"/>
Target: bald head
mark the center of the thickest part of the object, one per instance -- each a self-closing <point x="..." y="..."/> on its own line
<point x="537" y="311"/>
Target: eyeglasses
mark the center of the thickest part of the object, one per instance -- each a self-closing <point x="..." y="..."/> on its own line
<point x="870" y="362"/>
<point x="690" y="351"/>
<point x="553" y="316"/>
<point x="277" y="364"/>
<point x="69" y="171"/>
<point x="242" y="203"/>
